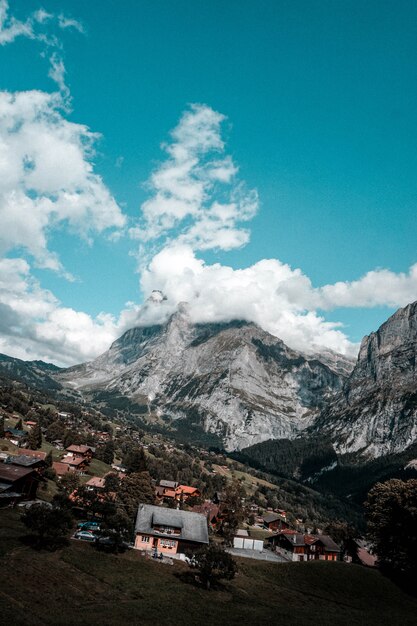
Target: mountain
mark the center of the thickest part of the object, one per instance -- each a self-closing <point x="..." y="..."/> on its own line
<point x="232" y="380"/>
<point x="376" y="411"/>
<point x="35" y="374"/>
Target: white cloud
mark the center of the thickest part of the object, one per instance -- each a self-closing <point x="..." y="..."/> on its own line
<point x="47" y="178"/>
<point x="35" y="325"/>
<point x="195" y="189"/>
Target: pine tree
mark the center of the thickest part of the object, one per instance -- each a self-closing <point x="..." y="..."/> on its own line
<point x="1" y="427"/>
<point x="49" y="459"/>
<point x="19" y="424"/>
<point x="35" y="437"/>
<point x="135" y="460"/>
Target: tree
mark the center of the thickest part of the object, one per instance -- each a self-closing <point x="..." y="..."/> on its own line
<point x="232" y="511"/>
<point x="69" y="483"/>
<point x="35" y="437"/>
<point x="391" y="510"/>
<point x="55" y="431"/>
<point x="134" y="489"/>
<point x="49" y="459"/>
<point x="134" y="460"/>
<point x="50" y="525"/>
<point x="1" y="426"/>
<point x="19" y="424"/>
<point x="106" y="452"/>
<point x="214" y="564"/>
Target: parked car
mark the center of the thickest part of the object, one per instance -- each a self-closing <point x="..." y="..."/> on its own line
<point x="85" y="535"/>
<point x="88" y="526"/>
<point x="110" y="544"/>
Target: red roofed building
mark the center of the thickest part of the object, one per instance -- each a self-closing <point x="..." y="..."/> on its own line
<point x="299" y="547"/>
<point x="61" y="468"/>
<point x="81" y="451"/>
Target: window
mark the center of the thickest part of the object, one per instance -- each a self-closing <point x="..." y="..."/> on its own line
<point x="167" y="543"/>
<point x="145" y="539"/>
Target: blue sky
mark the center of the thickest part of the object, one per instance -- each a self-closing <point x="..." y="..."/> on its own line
<point x="319" y="99"/>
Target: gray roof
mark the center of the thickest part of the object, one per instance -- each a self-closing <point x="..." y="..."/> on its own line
<point x="272" y="517"/>
<point x="23" y="459"/>
<point x="193" y="525"/>
<point x="329" y="544"/>
<point x="168" y="483"/>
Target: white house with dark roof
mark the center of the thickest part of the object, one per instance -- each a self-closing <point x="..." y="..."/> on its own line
<point x="169" y="531"/>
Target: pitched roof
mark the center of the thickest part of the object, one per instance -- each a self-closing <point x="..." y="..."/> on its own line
<point x="10" y="473"/>
<point x="329" y="544"/>
<point x="37" y="454"/>
<point x="97" y="482"/>
<point x="168" y="483"/>
<point x="193" y="525"/>
<point x="16" y="432"/>
<point x="187" y="489"/>
<point x="272" y="517"/>
<point x="60" y="468"/>
<point x="23" y="460"/>
<point x="71" y="460"/>
<point x="82" y="449"/>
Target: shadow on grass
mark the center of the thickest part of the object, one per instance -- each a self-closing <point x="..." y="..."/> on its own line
<point x="49" y="544"/>
<point x="192" y="578"/>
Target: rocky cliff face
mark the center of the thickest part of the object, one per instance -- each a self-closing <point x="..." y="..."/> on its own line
<point x="376" y="412"/>
<point x="235" y="380"/>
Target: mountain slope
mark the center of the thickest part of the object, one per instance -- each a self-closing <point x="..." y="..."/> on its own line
<point x="233" y="380"/>
<point x="35" y="374"/>
<point x="376" y="411"/>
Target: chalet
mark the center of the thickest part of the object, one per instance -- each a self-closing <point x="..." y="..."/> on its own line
<point x="36" y="454"/>
<point x="61" y="469"/>
<point x="16" y="436"/>
<point x="275" y="522"/>
<point x="299" y="547"/>
<point x="81" y="452"/>
<point x="358" y="552"/>
<point x="171" y="490"/>
<point x="95" y="483"/>
<point x="17" y="483"/>
<point x="24" y="460"/>
<point x="75" y="464"/>
<point x="169" y="531"/>
<point x="210" y="510"/>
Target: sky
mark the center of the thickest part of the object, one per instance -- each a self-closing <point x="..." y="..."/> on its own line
<point x="256" y="159"/>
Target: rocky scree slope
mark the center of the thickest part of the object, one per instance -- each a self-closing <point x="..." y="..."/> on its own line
<point x="237" y="381"/>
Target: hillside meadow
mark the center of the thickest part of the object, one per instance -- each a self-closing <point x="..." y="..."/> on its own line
<point x="77" y="585"/>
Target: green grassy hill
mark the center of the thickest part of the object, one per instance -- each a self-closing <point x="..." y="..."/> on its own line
<point x="78" y="585"/>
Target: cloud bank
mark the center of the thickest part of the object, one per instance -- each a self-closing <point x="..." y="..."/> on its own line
<point x="196" y="202"/>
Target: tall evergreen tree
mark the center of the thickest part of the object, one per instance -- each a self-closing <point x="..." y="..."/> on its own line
<point x="1" y="427"/>
<point x="19" y="424"/>
<point x="135" y="460"/>
<point x="35" y="437"/>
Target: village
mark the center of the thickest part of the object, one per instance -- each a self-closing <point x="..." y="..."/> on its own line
<point x="138" y="499"/>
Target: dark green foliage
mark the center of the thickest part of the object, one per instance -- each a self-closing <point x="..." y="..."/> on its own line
<point x="106" y="453"/>
<point x="214" y="564"/>
<point x="49" y="525"/>
<point x="135" y="488"/>
<point x="233" y="512"/>
<point x="49" y="459"/>
<point x="69" y="482"/>
<point x="35" y="437"/>
<point x="391" y="510"/>
<point x="135" y="460"/>
<point x="1" y="427"/>
<point x="298" y="458"/>
<point x="19" y="424"/>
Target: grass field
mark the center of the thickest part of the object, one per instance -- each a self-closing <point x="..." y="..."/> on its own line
<point x="78" y="585"/>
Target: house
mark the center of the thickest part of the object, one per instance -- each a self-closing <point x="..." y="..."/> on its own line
<point x="275" y="522"/>
<point x="243" y="541"/>
<point x="169" y="531"/>
<point x="210" y="510"/>
<point x="17" y="483"/>
<point x="30" y="423"/>
<point x="36" y="454"/>
<point x="95" y="483"/>
<point x="171" y="490"/>
<point x="61" y="469"/>
<point x="358" y="552"/>
<point x="300" y="547"/>
<point x="16" y="436"/>
<point x="75" y="464"/>
<point x="81" y="452"/>
<point x="24" y="460"/>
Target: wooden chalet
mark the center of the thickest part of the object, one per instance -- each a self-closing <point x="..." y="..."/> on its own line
<point x="81" y="452"/>
<point x="210" y="510"/>
<point x="299" y="547"/>
<point x="275" y="522"/>
<point x="171" y="490"/>
<point x="169" y="531"/>
<point x="17" y="483"/>
<point x="76" y="464"/>
<point x="16" y="436"/>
